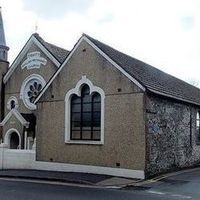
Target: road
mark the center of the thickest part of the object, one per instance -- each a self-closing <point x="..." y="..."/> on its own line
<point x="177" y="186"/>
<point x="19" y="190"/>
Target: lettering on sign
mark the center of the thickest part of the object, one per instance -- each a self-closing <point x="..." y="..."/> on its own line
<point x="34" y="60"/>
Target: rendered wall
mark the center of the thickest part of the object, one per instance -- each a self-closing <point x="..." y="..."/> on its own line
<point x="124" y="131"/>
<point x="25" y="159"/>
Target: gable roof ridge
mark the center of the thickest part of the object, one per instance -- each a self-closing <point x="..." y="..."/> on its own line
<point x="17" y="115"/>
<point x="52" y="48"/>
<point x="85" y="37"/>
<point x="142" y="62"/>
<point x="35" y="38"/>
<point x="152" y="77"/>
<point x="143" y="74"/>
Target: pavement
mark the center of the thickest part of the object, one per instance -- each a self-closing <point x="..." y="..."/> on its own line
<point x="188" y="175"/>
<point x="69" y="177"/>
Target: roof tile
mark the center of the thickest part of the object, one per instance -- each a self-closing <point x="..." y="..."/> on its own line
<point x="151" y="77"/>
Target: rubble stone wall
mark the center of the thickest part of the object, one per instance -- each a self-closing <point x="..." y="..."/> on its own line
<point x="171" y="138"/>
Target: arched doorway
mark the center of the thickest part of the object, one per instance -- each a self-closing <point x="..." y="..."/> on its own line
<point x="13" y="139"/>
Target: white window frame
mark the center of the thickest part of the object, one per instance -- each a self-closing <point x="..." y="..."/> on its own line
<point x="12" y="98"/>
<point x="77" y="91"/>
<point x="23" y="91"/>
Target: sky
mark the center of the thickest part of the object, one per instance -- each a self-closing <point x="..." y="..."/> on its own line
<point x="165" y="34"/>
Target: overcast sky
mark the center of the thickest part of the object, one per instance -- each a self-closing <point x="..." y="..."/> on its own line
<point x="165" y="34"/>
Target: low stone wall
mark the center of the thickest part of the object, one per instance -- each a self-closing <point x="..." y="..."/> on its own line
<point x="25" y="159"/>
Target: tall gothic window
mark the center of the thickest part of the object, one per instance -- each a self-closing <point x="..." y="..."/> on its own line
<point x="85" y="115"/>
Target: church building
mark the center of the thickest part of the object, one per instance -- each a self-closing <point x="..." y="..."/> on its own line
<point x="96" y="108"/>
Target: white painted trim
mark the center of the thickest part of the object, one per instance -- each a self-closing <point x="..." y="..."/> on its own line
<point x="23" y="91"/>
<point x="58" y="71"/>
<point x="120" y="172"/>
<point x="34" y="60"/>
<point x="12" y="98"/>
<point x="25" y="49"/>
<point x="45" y="51"/>
<point x="25" y="159"/>
<point x="17" y="115"/>
<point x="98" y="50"/>
<point x="114" y="64"/>
<point x="8" y="135"/>
<point x="77" y="91"/>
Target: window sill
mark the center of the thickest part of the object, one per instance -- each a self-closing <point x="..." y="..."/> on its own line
<point x="84" y="142"/>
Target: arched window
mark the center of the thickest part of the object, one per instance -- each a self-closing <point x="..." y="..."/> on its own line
<point x="12" y="104"/>
<point x="86" y="115"/>
<point x="30" y="89"/>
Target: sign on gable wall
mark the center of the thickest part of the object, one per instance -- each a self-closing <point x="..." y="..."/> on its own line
<point x="34" y="60"/>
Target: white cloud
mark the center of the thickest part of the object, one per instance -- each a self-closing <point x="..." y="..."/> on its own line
<point x="164" y="34"/>
<point x="56" y="9"/>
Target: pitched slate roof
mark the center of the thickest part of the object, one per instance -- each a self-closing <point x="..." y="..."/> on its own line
<point x="150" y="77"/>
<point x="59" y="53"/>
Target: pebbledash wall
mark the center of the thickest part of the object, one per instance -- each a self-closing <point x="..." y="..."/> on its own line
<point x="25" y="159"/>
<point x="171" y="141"/>
<point x="124" y="128"/>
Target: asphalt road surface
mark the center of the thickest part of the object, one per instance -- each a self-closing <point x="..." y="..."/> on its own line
<point x="18" y="190"/>
<point x="178" y="186"/>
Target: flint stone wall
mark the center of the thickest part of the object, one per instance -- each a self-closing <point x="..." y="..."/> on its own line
<point x="171" y="138"/>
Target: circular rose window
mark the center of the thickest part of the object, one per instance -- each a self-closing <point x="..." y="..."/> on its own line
<point x="30" y="89"/>
<point x="34" y="89"/>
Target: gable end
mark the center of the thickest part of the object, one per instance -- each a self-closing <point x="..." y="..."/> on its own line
<point x="101" y="53"/>
<point x="16" y="62"/>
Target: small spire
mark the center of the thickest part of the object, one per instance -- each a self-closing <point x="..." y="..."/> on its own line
<point x="2" y="35"/>
<point x="3" y="48"/>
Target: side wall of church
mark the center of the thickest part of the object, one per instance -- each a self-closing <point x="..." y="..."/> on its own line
<point x="124" y="132"/>
<point x="171" y="140"/>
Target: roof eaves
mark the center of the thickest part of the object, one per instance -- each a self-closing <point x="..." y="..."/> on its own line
<point x="172" y="96"/>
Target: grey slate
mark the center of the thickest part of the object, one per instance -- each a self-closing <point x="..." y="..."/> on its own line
<point x="2" y="34"/>
<point x="150" y="77"/>
<point x="59" y="53"/>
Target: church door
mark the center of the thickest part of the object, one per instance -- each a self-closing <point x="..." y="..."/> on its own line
<point x="14" y="141"/>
